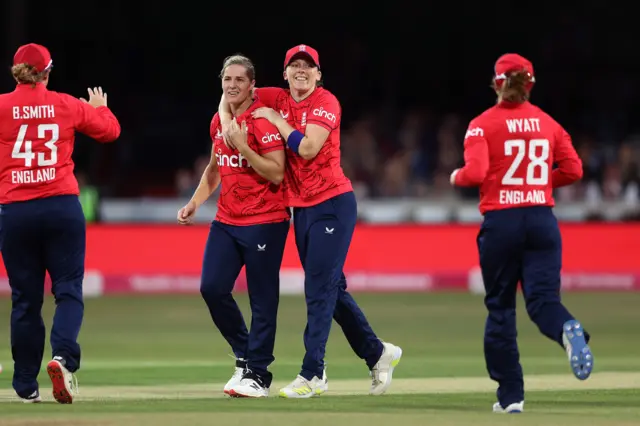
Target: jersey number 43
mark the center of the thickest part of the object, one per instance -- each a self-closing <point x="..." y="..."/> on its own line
<point x="23" y="148"/>
<point x="536" y="153"/>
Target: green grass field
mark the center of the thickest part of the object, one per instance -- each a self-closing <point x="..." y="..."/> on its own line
<point x="159" y="360"/>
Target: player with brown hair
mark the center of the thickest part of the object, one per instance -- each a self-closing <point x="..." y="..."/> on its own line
<point x="250" y="229"/>
<point x="509" y="152"/>
<point x="42" y="225"/>
<point x="324" y="219"/>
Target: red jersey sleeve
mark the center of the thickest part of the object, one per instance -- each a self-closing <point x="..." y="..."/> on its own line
<point x="569" y="168"/>
<point x="97" y="123"/>
<point x="476" y="157"/>
<point x="268" y="95"/>
<point x="325" y="112"/>
<point x="213" y="127"/>
<point x="267" y="136"/>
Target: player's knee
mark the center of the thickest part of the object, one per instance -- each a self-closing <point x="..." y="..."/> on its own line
<point x="533" y="303"/>
<point x="26" y="311"/>
<point x="536" y="305"/>
<point x="215" y="289"/>
<point x="68" y="290"/>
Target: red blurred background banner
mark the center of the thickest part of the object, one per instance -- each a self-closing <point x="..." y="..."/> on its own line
<point x="389" y="258"/>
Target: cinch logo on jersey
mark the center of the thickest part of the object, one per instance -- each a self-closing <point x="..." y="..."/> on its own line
<point x="321" y="112"/>
<point x="271" y="137"/>
<point x="232" y="161"/>
<point x="476" y="131"/>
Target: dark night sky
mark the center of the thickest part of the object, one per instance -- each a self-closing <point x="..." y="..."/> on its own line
<point x="159" y="65"/>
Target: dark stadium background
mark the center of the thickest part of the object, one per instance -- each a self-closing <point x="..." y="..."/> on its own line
<point x="391" y="65"/>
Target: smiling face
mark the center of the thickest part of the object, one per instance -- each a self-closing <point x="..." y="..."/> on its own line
<point x="302" y="74"/>
<point x="236" y="84"/>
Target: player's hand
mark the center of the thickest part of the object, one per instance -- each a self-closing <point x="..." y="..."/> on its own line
<point x="267" y="113"/>
<point x="452" y="178"/>
<point x="97" y="97"/>
<point x="225" y="134"/>
<point x="187" y="213"/>
<point x="237" y="134"/>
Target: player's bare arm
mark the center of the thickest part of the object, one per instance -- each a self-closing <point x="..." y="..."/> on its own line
<point x="208" y="183"/>
<point x="315" y="136"/>
<point x="224" y="112"/>
<point x="270" y="165"/>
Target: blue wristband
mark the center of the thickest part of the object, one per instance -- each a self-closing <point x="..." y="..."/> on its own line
<point x="294" y="140"/>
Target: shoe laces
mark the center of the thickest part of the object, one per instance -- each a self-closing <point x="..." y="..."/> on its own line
<point x="299" y="382"/>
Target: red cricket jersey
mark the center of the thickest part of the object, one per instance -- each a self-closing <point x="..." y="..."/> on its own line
<point x="310" y="182"/>
<point x="37" y="133"/>
<point x="246" y="198"/>
<point x="509" y="151"/>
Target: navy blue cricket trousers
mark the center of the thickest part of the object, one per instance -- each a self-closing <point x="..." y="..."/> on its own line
<point x="260" y="249"/>
<point x="323" y="234"/>
<point x="39" y="236"/>
<point x="519" y="245"/>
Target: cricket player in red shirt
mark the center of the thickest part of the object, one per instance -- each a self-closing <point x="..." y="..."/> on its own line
<point x="509" y="152"/>
<point x="250" y="229"/>
<point x="325" y="213"/>
<point x="42" y="226"/>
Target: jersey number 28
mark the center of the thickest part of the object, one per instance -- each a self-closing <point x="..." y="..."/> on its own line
<point x="537" y="167"/>
<point x="52" y="131"/>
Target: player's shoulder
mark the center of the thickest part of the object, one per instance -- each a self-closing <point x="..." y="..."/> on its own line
<point x="262" y="123"/>
<point x="64" y="100"/>
<point x="215" y="120"/>
<point x="62" y="97"/>
<point x="276" y="93"/>
<point x="257" y="104"/>
<point x="484" y="118"/>
<point x="325" y="95"/>
<point x="214" y="126"/>
<point x="542" y="114"/>
<point x="489" y="114"/>
<point x="254" y="106"/>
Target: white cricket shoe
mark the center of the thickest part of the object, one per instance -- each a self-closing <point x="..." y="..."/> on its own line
<point x="303" y="388"/>
<point x="516" y="407"/>
<point x="251" y="385"/>
<point x="382" y="372"/>
<point x="65" y="384"/>
<point x="34" y="398"/>
<point x="241" y="366"/>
